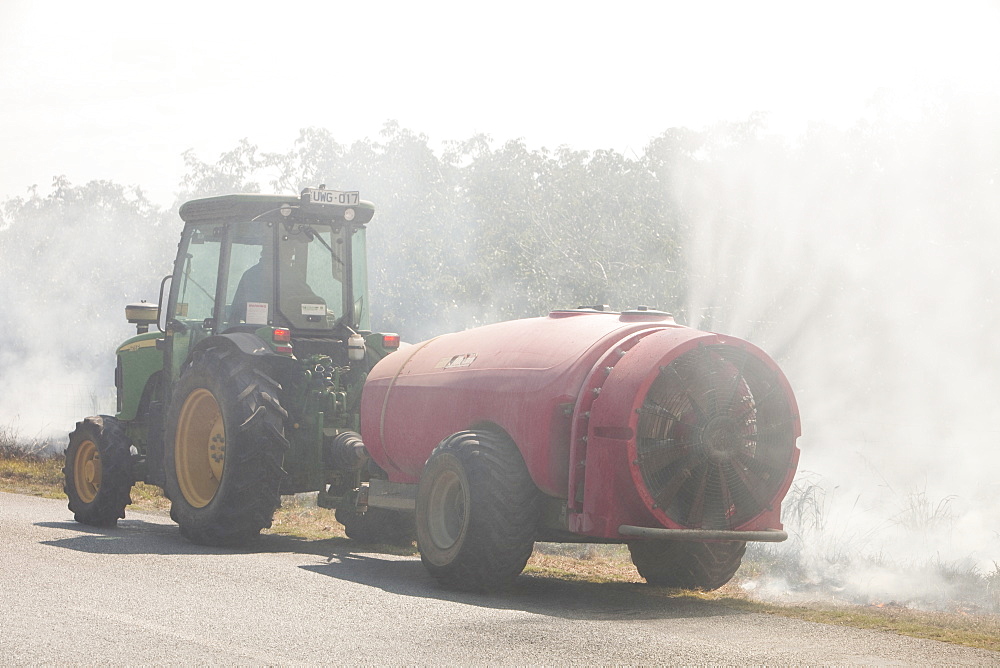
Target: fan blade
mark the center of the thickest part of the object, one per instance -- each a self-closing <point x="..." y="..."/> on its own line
<point x="697" y="512"/>
<point x="753" y="487"/>
<point x="728" y="507"/>
<point x="658" y="458"/>
<point x="673" y="486"/>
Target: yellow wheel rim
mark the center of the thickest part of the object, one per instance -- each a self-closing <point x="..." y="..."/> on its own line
<point x="87" y="471"/>
<point x="200" y="448"/>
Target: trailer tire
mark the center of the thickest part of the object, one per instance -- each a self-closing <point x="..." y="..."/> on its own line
<point x="687" y="565"/>
<point x="377" y="526"/>
<point x="98" y="471"/>
<point x="476" y="513"/>
<point x="223" y="449"/>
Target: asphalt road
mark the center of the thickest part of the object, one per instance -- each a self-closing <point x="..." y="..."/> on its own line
<point x="141" y="594"/>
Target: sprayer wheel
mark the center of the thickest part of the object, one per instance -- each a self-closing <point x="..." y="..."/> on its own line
<point x="224" y="445"/>
<point x="377" y="526"/>
<point x="98" y="471"/>
<point x="687" y="565"/>
<point x="477" y="508"/>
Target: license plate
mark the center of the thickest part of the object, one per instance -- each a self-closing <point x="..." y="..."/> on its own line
<point x="338" y="197"/>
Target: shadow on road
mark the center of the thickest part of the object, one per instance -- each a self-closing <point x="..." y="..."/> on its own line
<point x="529" y="593"/>
<point x="394" y="570"/>
<point x="129" y="537"/>
<point x="134" y="536"/>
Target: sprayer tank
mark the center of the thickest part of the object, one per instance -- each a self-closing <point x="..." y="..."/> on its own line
<point x="649" y="420"/>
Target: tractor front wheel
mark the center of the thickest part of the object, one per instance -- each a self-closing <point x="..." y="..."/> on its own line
<point x="98" y="471"/>
<point x="477" y="508"/>
<point x="224" y="444"/>
<point x="687" y="565"/>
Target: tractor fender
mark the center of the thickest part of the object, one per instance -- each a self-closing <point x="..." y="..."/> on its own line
<point x="245" y="342"/>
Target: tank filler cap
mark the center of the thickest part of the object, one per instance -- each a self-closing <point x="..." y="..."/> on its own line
<point x="581" y="310"/>
<point x="645" y="313"/>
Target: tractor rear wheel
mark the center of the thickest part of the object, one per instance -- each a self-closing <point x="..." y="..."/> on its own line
<point x="687" y="565"/>
<point x="477" y="509"/>
<point x="98" y="471"/>
<point x="224" y="444"/>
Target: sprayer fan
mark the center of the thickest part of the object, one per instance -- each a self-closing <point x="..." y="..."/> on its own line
<point x="714" y="439"/>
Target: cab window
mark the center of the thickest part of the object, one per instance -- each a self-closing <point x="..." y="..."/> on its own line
<point x="250" y="280"/>
<point x="310" y="275"/>
<point x="199" y="272"/>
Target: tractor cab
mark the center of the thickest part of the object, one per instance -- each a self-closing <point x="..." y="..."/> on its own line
<point x="248" y="263"/>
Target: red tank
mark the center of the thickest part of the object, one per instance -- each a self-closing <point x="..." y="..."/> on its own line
<point x="628" y="418"/>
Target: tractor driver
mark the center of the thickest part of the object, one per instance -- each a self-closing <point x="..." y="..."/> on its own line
<point x="255" y="286"/>
<point x="251" y="302"/>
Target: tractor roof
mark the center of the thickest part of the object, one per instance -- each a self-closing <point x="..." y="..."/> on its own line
<point x="244" y="207"/>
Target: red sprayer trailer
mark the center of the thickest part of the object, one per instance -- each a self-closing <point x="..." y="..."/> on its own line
<point x="583" y="426"/>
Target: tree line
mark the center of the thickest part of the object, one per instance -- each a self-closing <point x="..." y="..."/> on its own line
<point x="730" y="227"/>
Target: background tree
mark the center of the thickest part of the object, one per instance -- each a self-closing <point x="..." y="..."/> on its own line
<point x="72" y="259"/>
<point x="480" y="234"/>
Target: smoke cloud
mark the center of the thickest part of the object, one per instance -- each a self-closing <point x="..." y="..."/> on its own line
<point x="863" y="260"/>
<point x="71" y="260"/>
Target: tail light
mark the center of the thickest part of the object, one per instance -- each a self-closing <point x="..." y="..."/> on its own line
<point x="390" y="341"/>
<point x="282" y="339"/>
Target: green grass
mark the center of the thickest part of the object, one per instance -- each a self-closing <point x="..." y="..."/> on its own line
<point x="24" y="469"/>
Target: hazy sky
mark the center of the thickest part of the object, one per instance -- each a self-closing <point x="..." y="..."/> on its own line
<point x="118" y="90"/>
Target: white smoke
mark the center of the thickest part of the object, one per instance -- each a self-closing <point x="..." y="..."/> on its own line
<point x="72" y="259"/>
<point x="864" y="261"/>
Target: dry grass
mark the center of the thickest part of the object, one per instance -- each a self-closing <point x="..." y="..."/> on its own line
<point x="981" y="631"/>
<point x="28" y="472"/>
<point x="596" y="569"/>
<point x="31" y="475"/>
<point x="25" y="469"/>
<point x="299" y="516"/>
<point x="961" y="628"/>
<point x="149" y="498"/>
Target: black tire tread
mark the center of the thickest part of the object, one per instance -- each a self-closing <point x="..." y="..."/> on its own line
<point x="117" y="479"/>
<point x="250" y="492"/>
<point x="687" y="565"/>
<point x="503" y="513"/>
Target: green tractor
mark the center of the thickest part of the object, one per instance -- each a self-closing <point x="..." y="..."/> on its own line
<point x="248" y="387"/>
